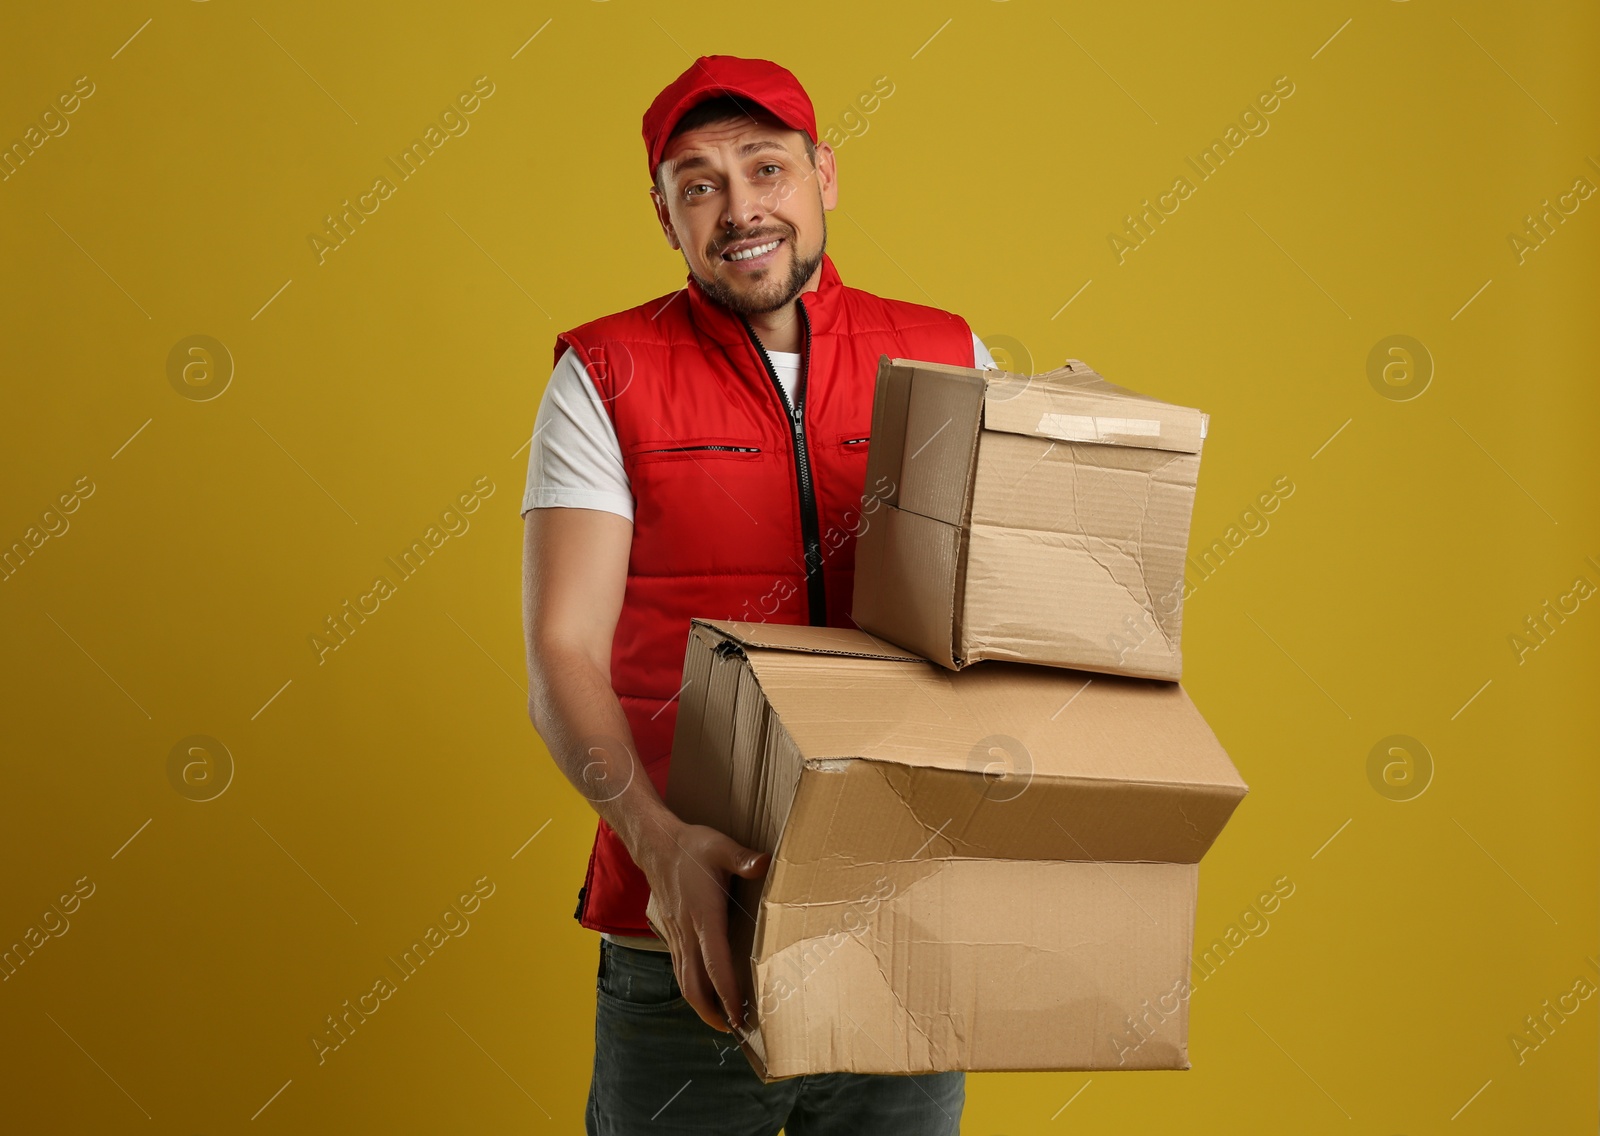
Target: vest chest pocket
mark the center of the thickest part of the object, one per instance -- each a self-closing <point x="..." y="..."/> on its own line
<point x="693" y="449"/>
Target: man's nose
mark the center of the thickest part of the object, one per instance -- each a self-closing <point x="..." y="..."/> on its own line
<point x="746" y="208"/>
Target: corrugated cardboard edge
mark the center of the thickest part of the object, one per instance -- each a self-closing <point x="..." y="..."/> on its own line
<point x="845" y="641"/>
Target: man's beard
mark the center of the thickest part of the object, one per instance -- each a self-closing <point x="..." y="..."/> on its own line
<point x="766" y="297"/>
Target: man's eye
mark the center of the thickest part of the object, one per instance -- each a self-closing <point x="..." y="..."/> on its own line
<point x="770" y="166"/>
<point x="692" y="190"/>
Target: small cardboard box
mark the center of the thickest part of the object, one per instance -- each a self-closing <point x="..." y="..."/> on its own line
<point x="987" y="869"/>
<point x="1042" y="518"/>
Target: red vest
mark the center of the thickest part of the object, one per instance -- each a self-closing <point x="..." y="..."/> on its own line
<point x="734" y="500"/>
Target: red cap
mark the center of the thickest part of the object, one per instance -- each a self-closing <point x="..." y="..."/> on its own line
<point x="759" y="81"/>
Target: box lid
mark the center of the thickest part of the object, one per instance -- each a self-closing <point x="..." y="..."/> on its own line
<point x="1074" y="404"/>
<point x="811" y="640"/>
<point x="1126" y="749"/>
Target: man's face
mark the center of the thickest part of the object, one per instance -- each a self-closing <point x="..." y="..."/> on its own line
<point x="730" y="187"/>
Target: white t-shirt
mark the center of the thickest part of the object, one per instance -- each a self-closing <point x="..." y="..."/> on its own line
<point x="575" y="461"/>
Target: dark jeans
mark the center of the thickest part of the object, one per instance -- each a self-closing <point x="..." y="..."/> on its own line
<point x="659" y="1069"/>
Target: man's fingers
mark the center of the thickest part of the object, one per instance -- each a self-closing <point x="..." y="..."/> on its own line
<point x="752" y="864"/>
<point x="699" y="992"/>
<point x="688" y="970"/>
<point x="695" y="920"/>
<point x="719" y="965"/>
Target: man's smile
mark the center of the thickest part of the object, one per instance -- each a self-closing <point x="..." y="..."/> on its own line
<point x="753" y="254"/>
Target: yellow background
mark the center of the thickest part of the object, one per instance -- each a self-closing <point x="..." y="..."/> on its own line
<point x="373" y="389"/>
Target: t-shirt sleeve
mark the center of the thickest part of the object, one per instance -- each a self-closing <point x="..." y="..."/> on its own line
<point x="981" y="358"/>
<point x="574" y="459"/>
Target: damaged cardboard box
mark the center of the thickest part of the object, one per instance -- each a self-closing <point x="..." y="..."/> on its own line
<point x="995" y="868"/>
<point x="1043" y="518"/>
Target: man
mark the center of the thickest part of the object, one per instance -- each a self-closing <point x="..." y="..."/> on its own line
<point x="702" y="455"/>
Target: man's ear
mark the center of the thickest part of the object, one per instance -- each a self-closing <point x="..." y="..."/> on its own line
<point x="827" y="174"/>
<point x="664" y="216"/>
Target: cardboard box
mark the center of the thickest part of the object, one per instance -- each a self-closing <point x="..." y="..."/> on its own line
<point x="987" y="869"/>
<point x="1043" y="519"/>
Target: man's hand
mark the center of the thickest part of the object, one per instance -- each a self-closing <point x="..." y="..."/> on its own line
<point x="688" y="871"/>
<point x="575" y="573"/>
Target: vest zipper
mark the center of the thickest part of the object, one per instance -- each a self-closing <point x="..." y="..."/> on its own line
<point x="810" y="527"/>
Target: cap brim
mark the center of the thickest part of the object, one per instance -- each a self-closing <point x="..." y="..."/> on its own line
<point x="694" y="99"/>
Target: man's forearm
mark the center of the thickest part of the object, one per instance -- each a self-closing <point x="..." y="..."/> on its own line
<point x="581" y="720"/>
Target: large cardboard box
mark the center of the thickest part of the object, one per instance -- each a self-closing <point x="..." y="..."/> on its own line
<point x="987" y="869"/>
<point x="1038" y="518"/>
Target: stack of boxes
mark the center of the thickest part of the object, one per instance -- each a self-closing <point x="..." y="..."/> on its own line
<point x="988" y="805"/>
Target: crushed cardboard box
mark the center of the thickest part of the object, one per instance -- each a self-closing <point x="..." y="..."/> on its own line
<point x="994" y="868"/>
<point x="1043" y="519"/>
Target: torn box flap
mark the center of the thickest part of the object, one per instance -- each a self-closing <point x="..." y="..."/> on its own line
<point x="1074" y="404"/>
